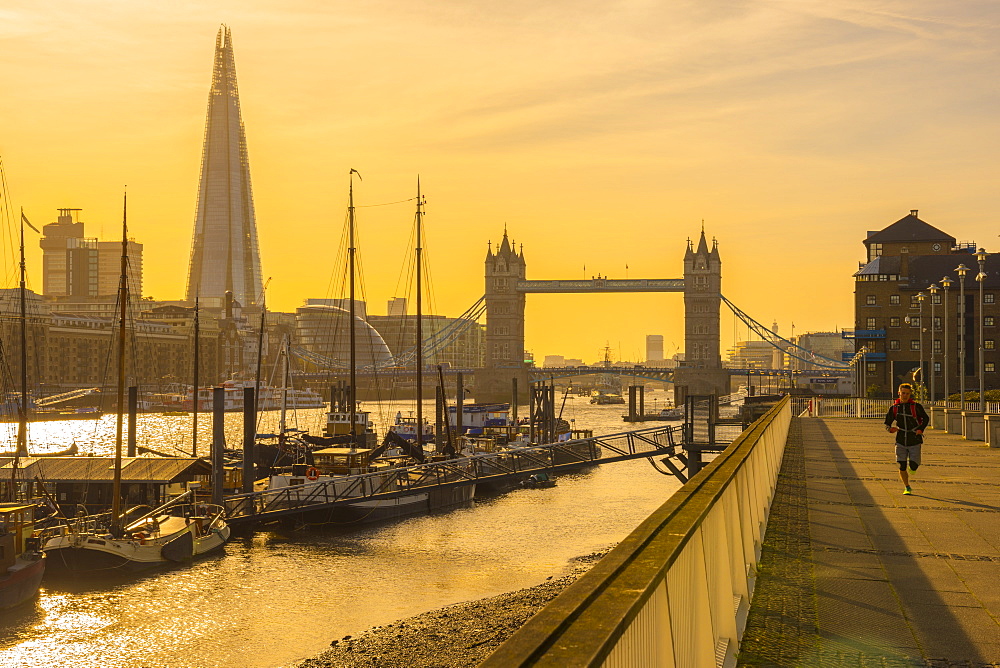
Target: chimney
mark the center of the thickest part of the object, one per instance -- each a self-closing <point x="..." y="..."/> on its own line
<point x="913" y="212"/>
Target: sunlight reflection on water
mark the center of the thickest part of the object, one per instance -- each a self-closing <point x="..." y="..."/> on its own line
<point x="273" y="598"/>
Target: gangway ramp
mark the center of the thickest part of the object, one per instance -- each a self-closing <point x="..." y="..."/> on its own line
<point x="66" y="396"/>
<point x="505" y="466"/>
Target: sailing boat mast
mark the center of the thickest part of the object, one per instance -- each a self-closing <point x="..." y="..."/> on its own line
<point x="351" y="391"/>
<point x="22" y="416"/>
<point x="21" y="450"/>
<point x="420" y="337"/>
<point x="122" y="308"/>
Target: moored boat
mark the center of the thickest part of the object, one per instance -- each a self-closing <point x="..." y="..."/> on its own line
<point x="173" y="533"/>
<point x="22" y="564"/>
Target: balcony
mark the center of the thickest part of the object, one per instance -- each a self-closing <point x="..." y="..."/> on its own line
<point x="869" y="357"/>
<point x="863" y="334"/>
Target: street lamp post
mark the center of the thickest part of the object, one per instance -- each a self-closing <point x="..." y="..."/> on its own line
<point x="946" y="283"/>
<point x="981" y="367"/>
<point x="920" y="321"/>
<point x="933" y="289"/>
<point x="962" y="271"/>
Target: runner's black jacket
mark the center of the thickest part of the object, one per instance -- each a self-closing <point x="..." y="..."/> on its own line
<point x="908" y="417"/>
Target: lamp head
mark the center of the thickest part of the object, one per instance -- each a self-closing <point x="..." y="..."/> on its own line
<point x="933" y="288"/>
<point x="946" y="282"/>
<point x="981" y="255"/>
<point x="962" y="270"/>
<point x="921" y="297"/>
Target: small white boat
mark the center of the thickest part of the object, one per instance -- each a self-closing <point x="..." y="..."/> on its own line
<point x="672" y="413"/>
<point x="173" y="533"/>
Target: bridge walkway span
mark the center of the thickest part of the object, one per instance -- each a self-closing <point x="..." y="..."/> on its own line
<point x="506" y="466"/>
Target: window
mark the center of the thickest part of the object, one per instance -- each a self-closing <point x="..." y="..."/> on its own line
<point x="988" y="298"/>
<point x="914" y="344"/>
<point x="893" y="344"/>
<point x="989" y="344"/>
<point x="874" y="250"/>
<point x="870" y="300"/>
<point x="937" y="323"/>
<point x="991" y="367"/>
<point x="937" y="345"/>
<point x="935" y="299"/>
<point x="894" y="322"/>
<point x="914" y="320"/>
<point x="870" y="323"/>
<point x="894" y="300"/>
<point x="989" y="321"/>
<point x="914" y="302"/>
<point x="871" y="368"/>
<point x="937" y="368"/>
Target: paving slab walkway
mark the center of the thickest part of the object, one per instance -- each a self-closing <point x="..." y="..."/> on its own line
<point x="855" y="573"/>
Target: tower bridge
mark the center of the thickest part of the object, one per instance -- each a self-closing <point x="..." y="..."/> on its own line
<point x="507" y="286"/>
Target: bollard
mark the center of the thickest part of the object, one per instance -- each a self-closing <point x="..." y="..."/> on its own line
<point x="991" y="425"/>
<point x="973" y="428"/>
<point x="953" y="420"/>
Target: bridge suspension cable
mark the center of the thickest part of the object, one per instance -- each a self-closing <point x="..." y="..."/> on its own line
<point x="773" y="338"/>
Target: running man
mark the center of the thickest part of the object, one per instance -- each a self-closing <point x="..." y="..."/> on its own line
<point x="906" y="419"/>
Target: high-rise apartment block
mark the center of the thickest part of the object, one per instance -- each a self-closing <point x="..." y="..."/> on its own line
<point x="224" y="252"/>
<point x="80" y="267"/>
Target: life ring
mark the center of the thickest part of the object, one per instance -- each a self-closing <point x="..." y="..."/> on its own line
<point x="312" y="473"/>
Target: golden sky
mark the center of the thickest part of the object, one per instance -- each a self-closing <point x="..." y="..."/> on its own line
<point x="600" y="133"/>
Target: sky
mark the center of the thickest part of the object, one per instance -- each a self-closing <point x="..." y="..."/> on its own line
<point x="600" y="135"/>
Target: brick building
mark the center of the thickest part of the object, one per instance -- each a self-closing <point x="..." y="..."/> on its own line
<point x="908" y="310"/>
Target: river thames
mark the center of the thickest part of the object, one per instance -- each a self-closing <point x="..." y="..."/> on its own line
<point x="274" y="598"/>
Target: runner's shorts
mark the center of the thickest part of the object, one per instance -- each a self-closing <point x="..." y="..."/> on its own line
<point x="908" y="452"/>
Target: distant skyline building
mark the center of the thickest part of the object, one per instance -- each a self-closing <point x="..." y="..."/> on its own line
<point x="79" y="267"/>
<point x="654" y="347"/>
<point x="225" y="255"/>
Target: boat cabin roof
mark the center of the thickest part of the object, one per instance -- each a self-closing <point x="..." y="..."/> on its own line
<point x="342" y="451"/>
<point x="160" y="470"/>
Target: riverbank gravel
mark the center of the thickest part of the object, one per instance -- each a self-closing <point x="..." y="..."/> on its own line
<point x="456" y="636"/>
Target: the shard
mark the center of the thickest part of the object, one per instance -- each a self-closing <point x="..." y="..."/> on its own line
<point x="224" y="252"/>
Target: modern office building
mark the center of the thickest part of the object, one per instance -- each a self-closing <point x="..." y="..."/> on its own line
<point x="77" y="267"/>
<point x="224" y="251"/>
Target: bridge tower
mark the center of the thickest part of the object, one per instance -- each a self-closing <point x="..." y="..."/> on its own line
<point x="504" y="324"/>
<point x="701" y="372"/>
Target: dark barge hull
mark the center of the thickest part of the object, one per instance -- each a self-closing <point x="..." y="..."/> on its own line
<point x="21" y="585"/>
<point x="381" y="510"/>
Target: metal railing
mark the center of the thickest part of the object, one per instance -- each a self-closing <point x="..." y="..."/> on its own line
<point x="677" y="590"/>
<point x="853" y="407"/>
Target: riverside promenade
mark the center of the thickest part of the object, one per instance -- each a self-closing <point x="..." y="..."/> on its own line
<point x="854" y="573"/>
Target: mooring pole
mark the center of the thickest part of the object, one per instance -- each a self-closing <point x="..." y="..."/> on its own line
<point x="459" y="403"/>
<point x="440" y="424"/>
<point x="133" y="407"/>
<point x="249" y="437"/>
<point x="513" y="401"/>
<point x="218" y="442"/>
